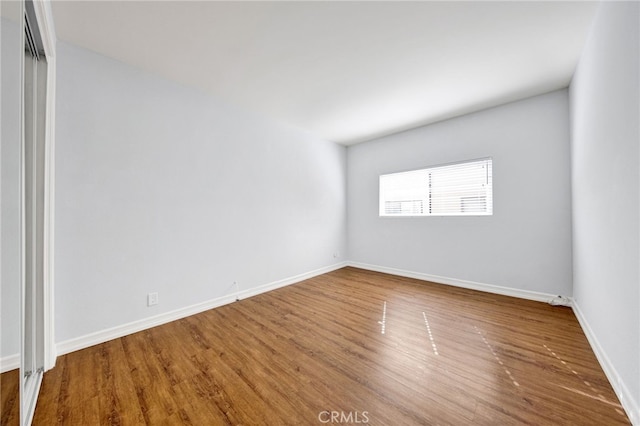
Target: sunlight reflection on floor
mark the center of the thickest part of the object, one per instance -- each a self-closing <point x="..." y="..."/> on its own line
<point x="598" y="396"/>
<point x="495" y="355"/>
<point x="383" y="323"/>
<point x="433" y="343"/>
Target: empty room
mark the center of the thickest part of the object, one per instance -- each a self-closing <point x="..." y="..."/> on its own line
<point x="320" y="212"/>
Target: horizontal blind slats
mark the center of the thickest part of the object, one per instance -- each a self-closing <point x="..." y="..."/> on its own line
<point x="455" y="189"/>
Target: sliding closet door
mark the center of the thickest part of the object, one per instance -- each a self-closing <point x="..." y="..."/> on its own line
<point x="33" y="155"/>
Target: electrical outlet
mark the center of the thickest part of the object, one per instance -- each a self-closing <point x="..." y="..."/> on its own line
<point x="152" y="299"/>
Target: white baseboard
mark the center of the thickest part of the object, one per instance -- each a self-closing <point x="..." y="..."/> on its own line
<point x="9" y="363"/>
<point x="102" y="336"/>
<point x="472" y="285"/>
<point x="619" y="386"/>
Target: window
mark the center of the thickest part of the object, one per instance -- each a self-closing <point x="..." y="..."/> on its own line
<point x="460" y="189"/>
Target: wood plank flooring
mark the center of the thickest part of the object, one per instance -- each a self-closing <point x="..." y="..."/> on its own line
<point x="10" y="398"/>
<point x="350" y="346"/>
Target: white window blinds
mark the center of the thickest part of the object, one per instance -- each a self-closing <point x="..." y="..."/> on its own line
<point x="460" y="189"/>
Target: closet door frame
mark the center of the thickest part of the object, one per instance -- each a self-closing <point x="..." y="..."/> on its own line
<point x="37" y="194"/>
<point x="44" y="18"/>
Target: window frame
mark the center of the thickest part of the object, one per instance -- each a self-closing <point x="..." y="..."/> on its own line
<point x="489" y="193"/>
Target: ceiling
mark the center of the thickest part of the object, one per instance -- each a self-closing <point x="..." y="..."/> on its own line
<point x="345" y="71"/>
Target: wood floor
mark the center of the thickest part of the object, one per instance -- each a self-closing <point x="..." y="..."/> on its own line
<point x="10" y="398"/>
<point x="350" y="346"/>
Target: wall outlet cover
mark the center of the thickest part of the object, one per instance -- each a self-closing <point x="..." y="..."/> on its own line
<point x="152" y="299"/>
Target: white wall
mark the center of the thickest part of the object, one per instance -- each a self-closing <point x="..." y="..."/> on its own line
<point x="524" y="245"/>
<point x="160" y="188"/>
<point x="10" y="195"/>
<point x="605" y="113"/>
